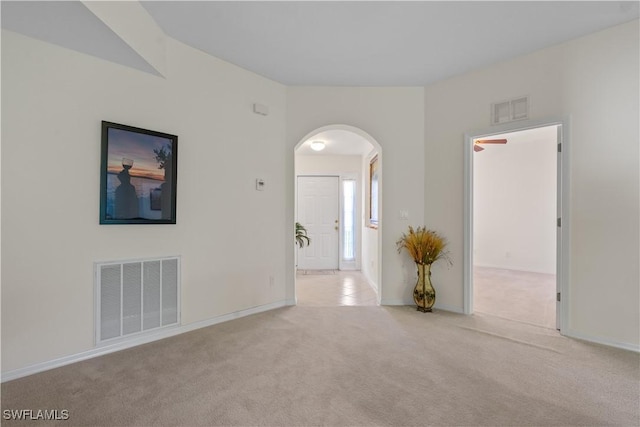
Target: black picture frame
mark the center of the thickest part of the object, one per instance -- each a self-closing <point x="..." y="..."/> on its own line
<point x="138" y="175"/>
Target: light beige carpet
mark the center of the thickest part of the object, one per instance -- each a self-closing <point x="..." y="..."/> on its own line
<point x="515" y="295"/>
<point x="338" y="366"/>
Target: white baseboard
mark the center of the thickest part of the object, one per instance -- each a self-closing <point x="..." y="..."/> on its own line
<point x="121" y="345"/>
<point x="437" y="306"/>
<point x="166" y="333"/>
<point x="600" y="340"/>
<point x="450" y="308"/>
<point x="388" y="301"/>
<point x="372" y="284"/>
<point x="512" y="268"/>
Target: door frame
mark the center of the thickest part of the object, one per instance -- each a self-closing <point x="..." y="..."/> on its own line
<point x="562" y="190"/>
<point x="341" y="176"/>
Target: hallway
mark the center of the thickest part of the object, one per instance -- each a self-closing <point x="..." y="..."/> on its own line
<point x="327" y="288"/>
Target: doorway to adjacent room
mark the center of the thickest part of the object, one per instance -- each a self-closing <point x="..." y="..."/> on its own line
<point x="515" y="206"/>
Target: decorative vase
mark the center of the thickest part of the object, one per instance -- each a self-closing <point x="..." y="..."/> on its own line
<point x="423" y="294"/>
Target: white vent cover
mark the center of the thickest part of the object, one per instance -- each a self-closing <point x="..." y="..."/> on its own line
<point x="134" y="297"/>
<point x="511" y="110"/>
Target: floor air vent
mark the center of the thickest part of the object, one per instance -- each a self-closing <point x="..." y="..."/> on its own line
<point x="135" y="297"/>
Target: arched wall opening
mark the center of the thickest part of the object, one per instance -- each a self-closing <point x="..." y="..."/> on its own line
<point x="350" y="155"/>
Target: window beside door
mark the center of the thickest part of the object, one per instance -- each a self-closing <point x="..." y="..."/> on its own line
<point x="348" y="219"/>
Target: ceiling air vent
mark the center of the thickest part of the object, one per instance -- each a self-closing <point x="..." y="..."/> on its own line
<point x="508" y="111"/>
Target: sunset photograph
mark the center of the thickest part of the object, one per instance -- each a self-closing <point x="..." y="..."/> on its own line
<point x="139" y="148"/>
<point x="138" y="180"/>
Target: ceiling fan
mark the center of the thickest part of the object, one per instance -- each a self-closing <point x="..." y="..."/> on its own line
<point x="477" y="142"/>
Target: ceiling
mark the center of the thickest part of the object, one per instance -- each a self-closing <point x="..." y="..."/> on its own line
<point x="350" y="43"/>
<point x="321" y="43"/>
<point x="337" y="142"/>
<point x="378" y="43"/>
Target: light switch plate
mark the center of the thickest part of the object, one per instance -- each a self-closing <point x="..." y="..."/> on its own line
<point x="259" y="184"/>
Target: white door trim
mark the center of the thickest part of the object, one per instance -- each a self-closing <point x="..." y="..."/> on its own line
<point x="563" y="240"/>
<point x="342" y="264"/>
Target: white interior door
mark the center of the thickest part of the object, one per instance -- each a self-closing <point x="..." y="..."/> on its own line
<point x="319" y="213"/>
<point x="559" y="272"/>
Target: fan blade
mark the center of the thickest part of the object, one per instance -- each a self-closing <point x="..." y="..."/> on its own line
<point x="491" y="141"/>
<point x="477" y="148"/>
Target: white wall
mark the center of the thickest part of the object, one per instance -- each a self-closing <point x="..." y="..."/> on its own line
<point x="370" y="249"/>
<point x="54" y="99"/>
<point x="594" y="81"/>
<point x="328" y="164"/>
<point x="514" y="202"/>
<point x="601" y="92"/>
<point x="53" y="102"/>
<point x="394" y="117"/>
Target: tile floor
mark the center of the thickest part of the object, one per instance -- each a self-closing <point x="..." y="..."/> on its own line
<point x="515" y="295"/>
<point x="333" y="288"/>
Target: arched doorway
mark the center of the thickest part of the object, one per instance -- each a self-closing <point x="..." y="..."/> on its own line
<point x="337" y="199"/>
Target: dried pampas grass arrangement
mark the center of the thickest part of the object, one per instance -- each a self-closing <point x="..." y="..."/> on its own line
<point x="424" y="246"/>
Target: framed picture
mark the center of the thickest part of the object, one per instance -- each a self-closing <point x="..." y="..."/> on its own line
<point x="374" y="181"/>
<point x="138" y="176"/>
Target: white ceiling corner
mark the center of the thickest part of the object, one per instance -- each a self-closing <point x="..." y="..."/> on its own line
<point x="131" y="22"/>
<point x="72" y="25"/>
